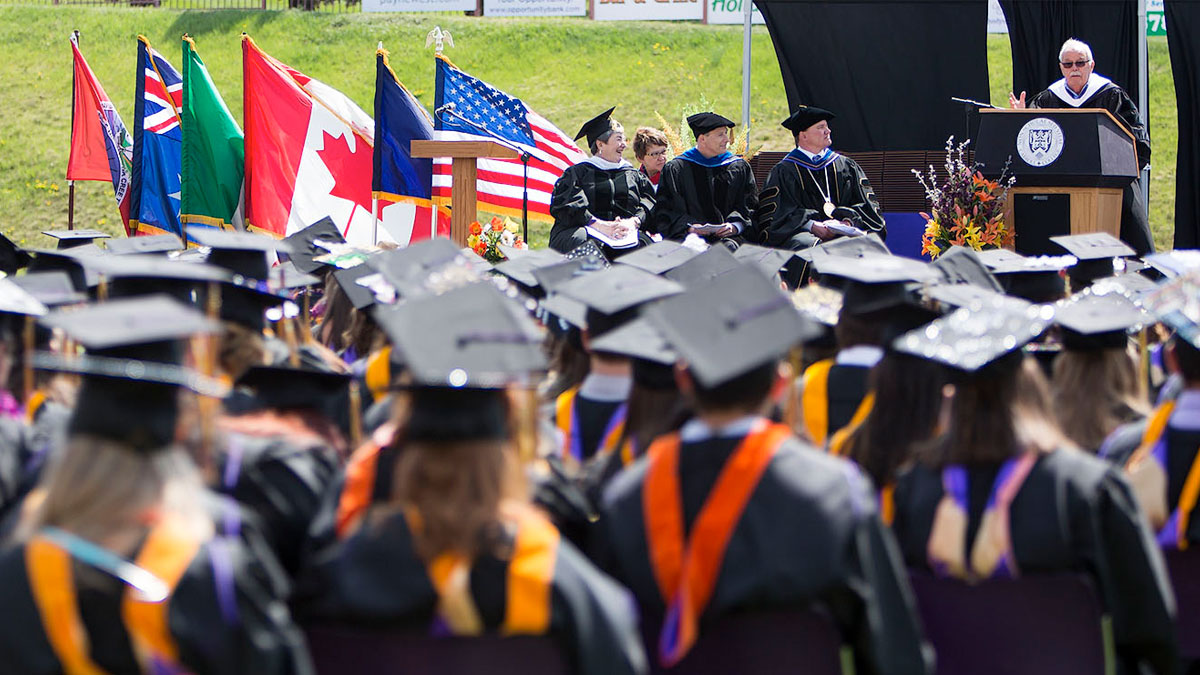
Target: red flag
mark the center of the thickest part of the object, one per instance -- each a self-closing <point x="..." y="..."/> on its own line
<point x="308" y="151"/>
<point x="101" y="148"/>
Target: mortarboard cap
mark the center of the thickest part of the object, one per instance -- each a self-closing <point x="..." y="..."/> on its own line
<point x="969" y="339"/>
<point x="305" y="244"/>
<point x="520" y="268"/>
<point x="1131" y="284"/>
<point x="804" y="117"/>
<point x="360" y="296"/>
<point x="714" y="262"/>
<point x="703" y="122"/>
<point x="587" y="249"/>
<point x="12" y="258"/>
<point x="847" y="247"/>
<point x="1091" y="321"/>
<point x="1174" y="263"/>
<point x="243" y="253"/>
<point x="14" y="299"/>
<point x="818" y="303"/>
<point x="287" y="277"/>
<point x="551" y="277"/>
<point x="769" y="260"/>
<point x="1096" y="253"/>
<point x="636" y="339"/>
<point x="469" y="337"/>
<point x="50" y="288"/>
<point x="131" y="369"/>
<point x="73" y="261"/>
<point x="618" y="288"/>
<point x="73" y="238"/>
<point x="659" y="257"/>
<point x="285" y="387"/>
<point x="572" y="311"/>
<point x="150" y="243"/>
<point x="148" y="274"/>
<point x="873" y="268"/>
<point x="728" y="326"/>
<point x="1037" y="279"/>
<point x="961" y="265"/>
<point x="970" y="295"/>
<point x="596" y="127"/>
<point x="408" y="269"/>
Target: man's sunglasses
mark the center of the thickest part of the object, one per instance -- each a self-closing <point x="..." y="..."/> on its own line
<point x="1077" y="64"/>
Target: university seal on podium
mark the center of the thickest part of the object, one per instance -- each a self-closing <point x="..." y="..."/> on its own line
<point x="1040" y="141"/>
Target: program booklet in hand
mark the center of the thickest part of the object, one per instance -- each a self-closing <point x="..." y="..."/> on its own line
<point x="630" y="238"/>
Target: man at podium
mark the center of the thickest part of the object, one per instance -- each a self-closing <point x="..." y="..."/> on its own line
<point x="1080" y="87"/>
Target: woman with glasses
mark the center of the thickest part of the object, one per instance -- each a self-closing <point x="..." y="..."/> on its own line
<point x="650" y="148"/>
<point x="1080" y="87"/>
<point x="603" y="198"/>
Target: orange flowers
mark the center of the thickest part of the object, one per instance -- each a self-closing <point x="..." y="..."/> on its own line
<point x="497" y="224"/>
<point x="967" y="209"/>
<point x="476" y="229"/>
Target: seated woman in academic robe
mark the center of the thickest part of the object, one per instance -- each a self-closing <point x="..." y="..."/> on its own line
<point x="1003" y="494"/>
<point x="602" y="198"/>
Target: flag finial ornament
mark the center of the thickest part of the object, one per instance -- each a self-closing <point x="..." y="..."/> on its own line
<point x="439" y="39"/>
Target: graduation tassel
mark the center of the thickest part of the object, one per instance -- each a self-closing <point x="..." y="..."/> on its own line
<point x="207" y="406"/>
<point x="527" y="429"/>
<point x="27" y="375"/>
<point x="791" y="410"/>
<point x="306" y="317"/>
<point x="356" y="430"/>
<point x="289" y="336"/>
<point x="1143" y="359"/>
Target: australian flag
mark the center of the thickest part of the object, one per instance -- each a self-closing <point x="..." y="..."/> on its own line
<point x="154" y="204"/>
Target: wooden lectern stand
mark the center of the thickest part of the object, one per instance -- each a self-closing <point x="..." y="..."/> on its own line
<point x="463" y="172"/>
<point x="1071" y="164"/>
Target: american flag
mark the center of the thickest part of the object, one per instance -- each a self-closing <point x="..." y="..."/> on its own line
<point x="500" y="180"/>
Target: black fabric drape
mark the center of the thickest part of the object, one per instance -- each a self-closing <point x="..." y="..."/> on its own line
<point x="1183" y="40"/>
<point x="887" y="68"/>
<point x="1037" y="29"/>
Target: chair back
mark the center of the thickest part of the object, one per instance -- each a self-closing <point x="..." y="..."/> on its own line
<point x="337" y="649"/>
<point x="1035" y="625"/>
<point x="801" y="641"/>
<point x="1184" y="568"/>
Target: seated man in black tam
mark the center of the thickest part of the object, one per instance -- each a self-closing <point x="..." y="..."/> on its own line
<point x="815" y="194"/>
<point x="707" y="190"/>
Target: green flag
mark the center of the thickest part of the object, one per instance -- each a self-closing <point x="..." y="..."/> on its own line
<point x="214" y="150"/>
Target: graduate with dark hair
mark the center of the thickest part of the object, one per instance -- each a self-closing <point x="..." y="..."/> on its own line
<point x="707" y="190"/>
<point x="1003" y="494"/>
<point x="808" y="529"/>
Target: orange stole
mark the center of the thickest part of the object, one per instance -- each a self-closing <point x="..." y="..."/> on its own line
<point x="167" y="552"/>
<point x="814" y="401"/>
<point x="687" y="573"/>
<point x="528" y="585"/>
<point x="358" y="489"/>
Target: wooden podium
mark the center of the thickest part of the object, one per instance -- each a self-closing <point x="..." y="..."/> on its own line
<point x="464" y="169"/>
<point x="1071" y="166"/>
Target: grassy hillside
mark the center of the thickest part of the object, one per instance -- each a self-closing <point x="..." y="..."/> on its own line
<point x="566" y="69"/>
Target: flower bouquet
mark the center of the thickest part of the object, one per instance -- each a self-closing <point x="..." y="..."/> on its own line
<point x="968" y="209"/>
<point x="486" y="240"/>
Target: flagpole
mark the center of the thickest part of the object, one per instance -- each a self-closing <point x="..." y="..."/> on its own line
<point x="374" y="220"/>
<point x="71" y="183"/>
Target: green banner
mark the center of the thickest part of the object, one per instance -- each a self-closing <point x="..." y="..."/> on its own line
<point x="214" y="149"/>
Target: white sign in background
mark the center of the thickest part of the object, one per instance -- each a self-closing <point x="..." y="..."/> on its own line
<point x="648" y="10"/>
<point x="730" y="11"/>
<point x="534" y="7"/>
<point x="418" y="5"/>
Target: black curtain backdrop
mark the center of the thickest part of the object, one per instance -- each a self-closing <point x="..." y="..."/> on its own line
<point x="1037" y="29"/>
<point x="1183" y="40"/>
<point x="887" y="68"/>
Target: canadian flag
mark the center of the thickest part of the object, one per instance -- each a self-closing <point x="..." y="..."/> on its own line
<point x="308" y="152"/>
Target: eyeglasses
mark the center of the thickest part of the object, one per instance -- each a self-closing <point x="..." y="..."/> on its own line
<point x="1077" y="64"/>
<point x="657" y="153"/>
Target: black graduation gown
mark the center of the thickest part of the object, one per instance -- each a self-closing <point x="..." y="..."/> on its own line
<point x="809" y="532"/>
<point x="281" y="482"/>
<point x="1135" y="225"/>
<point x="262" y="640"/>
<point x="690" y="194"/>
<point x="592" y="418"/>
<point x="585" y="191"/>
<point x="845" y="386"/>
<point x="1182" y="447"/>
<point x="1073" y="512"/>
<point x="374" y="577"/>
<point x="790" y="202"/>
